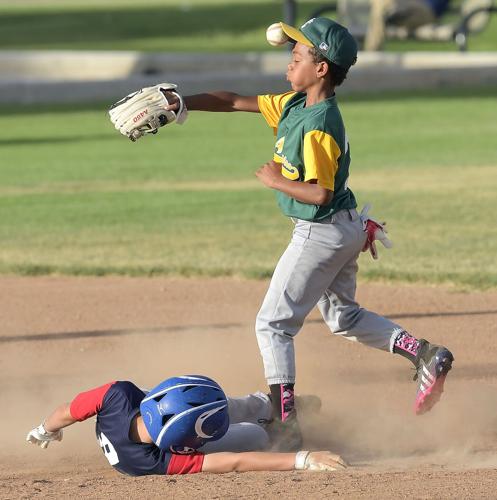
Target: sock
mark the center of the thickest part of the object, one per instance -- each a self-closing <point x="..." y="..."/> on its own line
<point x="283" y="400"/>
<point x="406" y="345"/>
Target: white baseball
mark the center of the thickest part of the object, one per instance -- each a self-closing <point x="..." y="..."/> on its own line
<point x="275" y="35"/>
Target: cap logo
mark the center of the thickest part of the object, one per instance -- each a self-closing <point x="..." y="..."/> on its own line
<point x="324" y="46"/>
<point x="307" y="23"/>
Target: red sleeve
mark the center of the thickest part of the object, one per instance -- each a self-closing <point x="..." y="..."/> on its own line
<point x="185" y="464"/>
<point x="87" y="404"/>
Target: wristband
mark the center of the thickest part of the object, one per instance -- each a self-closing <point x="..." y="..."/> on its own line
<point x="300" y="459"/>
<point x="42" y="431"/>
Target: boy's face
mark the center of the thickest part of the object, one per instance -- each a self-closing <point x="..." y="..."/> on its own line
<point x="302" y="70"/>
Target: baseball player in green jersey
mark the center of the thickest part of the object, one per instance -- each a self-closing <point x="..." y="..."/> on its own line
<point x="309" y="173"/>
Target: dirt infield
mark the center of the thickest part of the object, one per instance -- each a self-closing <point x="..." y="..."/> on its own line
<point x="63" y="335"/>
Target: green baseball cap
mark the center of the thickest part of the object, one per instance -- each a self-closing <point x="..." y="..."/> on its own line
<point x="329" y="38"/>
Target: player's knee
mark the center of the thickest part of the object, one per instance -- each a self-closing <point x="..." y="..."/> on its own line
<point x="250" y="437"/>
<point x="345" y="320"/>
<point x="260" y="439"/>
<point x="240" y="437"/>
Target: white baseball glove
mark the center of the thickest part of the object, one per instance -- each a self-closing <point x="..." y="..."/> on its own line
<point x="41" y="437"/>
<point x="375" y="231"/>
<point x="143" y="112"/>
<point x="319" y="461"/>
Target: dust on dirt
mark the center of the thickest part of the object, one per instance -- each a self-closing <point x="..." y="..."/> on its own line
<point x="63" y="335"/>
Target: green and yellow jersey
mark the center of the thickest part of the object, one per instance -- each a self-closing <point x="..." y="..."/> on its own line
<point x="311" y="144"/>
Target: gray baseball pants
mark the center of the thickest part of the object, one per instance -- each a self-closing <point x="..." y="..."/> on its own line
<point x="248" y="417"/>
<point x="318" y="267"/>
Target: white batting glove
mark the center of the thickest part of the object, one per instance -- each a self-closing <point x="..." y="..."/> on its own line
<point x="374" y="231"/>
<point x="41" y="437"/>
<point x="319" y="461"/>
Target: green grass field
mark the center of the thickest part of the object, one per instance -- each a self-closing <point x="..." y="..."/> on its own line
<point x="166" y="25"/>
<point x="78" y="198"/>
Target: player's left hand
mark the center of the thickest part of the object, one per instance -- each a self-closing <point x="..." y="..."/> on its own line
<point x="270" y="174"/>
<point x="41" y="437"/>
<point x="148" y="109"/>
<point x="374" y="231"/>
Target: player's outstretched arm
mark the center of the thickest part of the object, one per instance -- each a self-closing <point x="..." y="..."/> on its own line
<point x="51" y="428"/>
<point x="61" y="417"/>
<point x="217" y="101"/>
<point x="266" y="461"/>
<point x="83" y="406"/>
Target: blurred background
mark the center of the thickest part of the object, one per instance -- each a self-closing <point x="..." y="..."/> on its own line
<point x="77" y="198"/>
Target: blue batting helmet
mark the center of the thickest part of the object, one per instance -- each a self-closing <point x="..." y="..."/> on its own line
<point x="183" y="413"/>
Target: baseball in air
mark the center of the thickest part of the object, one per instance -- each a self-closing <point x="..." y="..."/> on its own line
<point x="275" y="35"/>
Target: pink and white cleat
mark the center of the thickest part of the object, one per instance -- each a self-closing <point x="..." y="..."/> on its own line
<point x="433" y="364"/>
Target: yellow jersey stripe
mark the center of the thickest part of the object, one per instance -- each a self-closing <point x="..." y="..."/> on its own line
<point x="271" y="106"/>
<point x="321" y="153"/>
